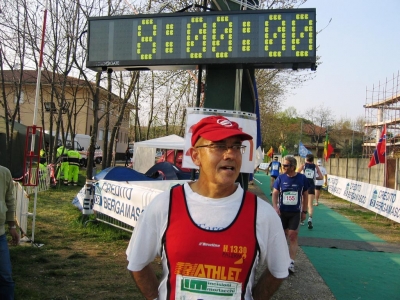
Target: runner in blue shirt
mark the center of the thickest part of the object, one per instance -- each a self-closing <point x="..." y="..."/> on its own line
<point x="289" y="200"/>
<point x="312" y="172"/>
<point x="275" y="167"/>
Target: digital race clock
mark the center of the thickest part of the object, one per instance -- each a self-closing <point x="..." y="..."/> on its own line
<point x="257" y="38"/>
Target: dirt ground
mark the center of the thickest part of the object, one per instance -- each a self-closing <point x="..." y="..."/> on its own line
<point x="305" y="283"/>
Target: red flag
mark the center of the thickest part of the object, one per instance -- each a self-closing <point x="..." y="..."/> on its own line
<point x="380" y="151"/>
<point x="328" y="149"/>
<point x="270" y="152"/>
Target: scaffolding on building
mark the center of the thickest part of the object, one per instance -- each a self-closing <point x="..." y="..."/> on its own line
<point x="382" y="107"/>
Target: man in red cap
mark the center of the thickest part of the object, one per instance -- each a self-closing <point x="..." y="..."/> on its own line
<point x="211" y="234"/>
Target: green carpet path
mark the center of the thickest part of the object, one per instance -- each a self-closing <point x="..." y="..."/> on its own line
<point x="350" y="274"/>
<point x="263" y="181"/>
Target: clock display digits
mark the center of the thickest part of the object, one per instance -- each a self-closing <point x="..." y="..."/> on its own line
<point x="275" y="35"/>
<point x="246" y="28"/>
<point x="302" y="32"/>
<point x="196" y="37"/>
<point x="222" y="37"/>
<point x="169" y="45"/>
<point x="146" y="45"/>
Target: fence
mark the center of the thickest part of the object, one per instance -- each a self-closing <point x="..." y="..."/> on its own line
<point x="44" y="180"/>
<point x="357" y="169"/>
<point x="22" y="206"/>
<point x="22" y="197"/>
<point x="100" y="217"/>
<point x="349" y="168"/>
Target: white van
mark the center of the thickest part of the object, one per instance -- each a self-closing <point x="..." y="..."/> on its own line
<point x="81" y="144"/>
<point x="84" y="141"/>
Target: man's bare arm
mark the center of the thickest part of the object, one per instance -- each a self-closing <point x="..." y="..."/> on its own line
<point x="147" y="282"/>
<point x="266" y="286"/>
<point x="275" y="195"/>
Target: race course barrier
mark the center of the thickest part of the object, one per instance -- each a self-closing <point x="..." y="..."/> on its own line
<point x="381" y="200"/>
<point x="120" y="204"/>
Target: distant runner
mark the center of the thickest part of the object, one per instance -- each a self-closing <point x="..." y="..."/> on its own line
<point x="274" y="168"/>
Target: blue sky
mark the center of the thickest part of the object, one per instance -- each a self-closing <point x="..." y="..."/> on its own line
<point x="359" y="49"/>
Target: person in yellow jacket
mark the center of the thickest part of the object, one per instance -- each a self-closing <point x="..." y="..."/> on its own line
<point x="73" y="160"/>
<point x="62" y="157"/>
<point x="45" y="152"/>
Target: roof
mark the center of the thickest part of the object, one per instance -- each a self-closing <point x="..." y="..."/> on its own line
<point x="312" y="129"/>
<point x="30" y="77"/>
<point x="144" y="152"/>
<point x="172" y="141"/>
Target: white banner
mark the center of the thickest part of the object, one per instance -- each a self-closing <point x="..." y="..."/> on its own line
<point x="383" y="201"/>
<point x="246" y="121"/>
<point x="125" y="201"/>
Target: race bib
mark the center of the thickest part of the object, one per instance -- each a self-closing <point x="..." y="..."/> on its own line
<point x="275" y="167"/>
<point x="289" y="198"/>
<point x="309" y="173"/>
<point x="194" y="288"/>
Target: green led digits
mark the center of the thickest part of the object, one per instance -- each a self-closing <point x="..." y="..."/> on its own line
<point x="218" y="38"/>
<point x="169" y="31"/>
<point x="275" y="33"/>
<point x="196" y="38"/>
<point x="246" y="28"/>
<point x="303" y="33"/>
<point x="146" y="26"/>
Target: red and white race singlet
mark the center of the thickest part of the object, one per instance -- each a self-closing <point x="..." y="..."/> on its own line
<point x="208" y="265"/>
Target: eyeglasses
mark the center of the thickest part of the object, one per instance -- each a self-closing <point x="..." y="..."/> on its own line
<point x="222" y="148"/>
<point x="286" y="166"/>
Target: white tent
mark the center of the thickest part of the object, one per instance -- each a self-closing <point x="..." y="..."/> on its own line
<point x="145" y="152"/>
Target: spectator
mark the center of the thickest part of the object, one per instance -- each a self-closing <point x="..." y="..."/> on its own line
<point x="62" y="164"/>
<point x="7" y="215"/>
<point x="74" y="158"/>
<point x="127" y="157"/>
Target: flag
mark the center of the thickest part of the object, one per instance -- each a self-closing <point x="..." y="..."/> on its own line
<point x="303" y="151"/>
<point x="270" y="152"/>
<point x="283" y="150"/>
<point x="380" y="151"/>
<point x="328" y="149"/>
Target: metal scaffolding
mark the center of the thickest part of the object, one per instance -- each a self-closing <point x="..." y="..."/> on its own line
<point x="382" y="106"/>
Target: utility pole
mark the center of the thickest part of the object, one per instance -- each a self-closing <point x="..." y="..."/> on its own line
<point x="352" y="141"/>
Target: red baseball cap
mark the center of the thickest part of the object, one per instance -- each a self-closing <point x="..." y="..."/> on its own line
<point x="217" y="128"/>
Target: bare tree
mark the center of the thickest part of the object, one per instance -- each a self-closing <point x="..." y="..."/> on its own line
<point x="321" y="119"/>
<point x="13" y="53"/>
<point x="125" y="94"/>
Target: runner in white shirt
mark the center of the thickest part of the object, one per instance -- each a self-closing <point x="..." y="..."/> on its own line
<point x="321" y="182"/>
<point x="203" y="231"/>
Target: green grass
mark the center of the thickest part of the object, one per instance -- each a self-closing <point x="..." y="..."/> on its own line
<point x="77" y="260"/>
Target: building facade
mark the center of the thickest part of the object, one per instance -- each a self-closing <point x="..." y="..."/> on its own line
<point x="65" y="100"/>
